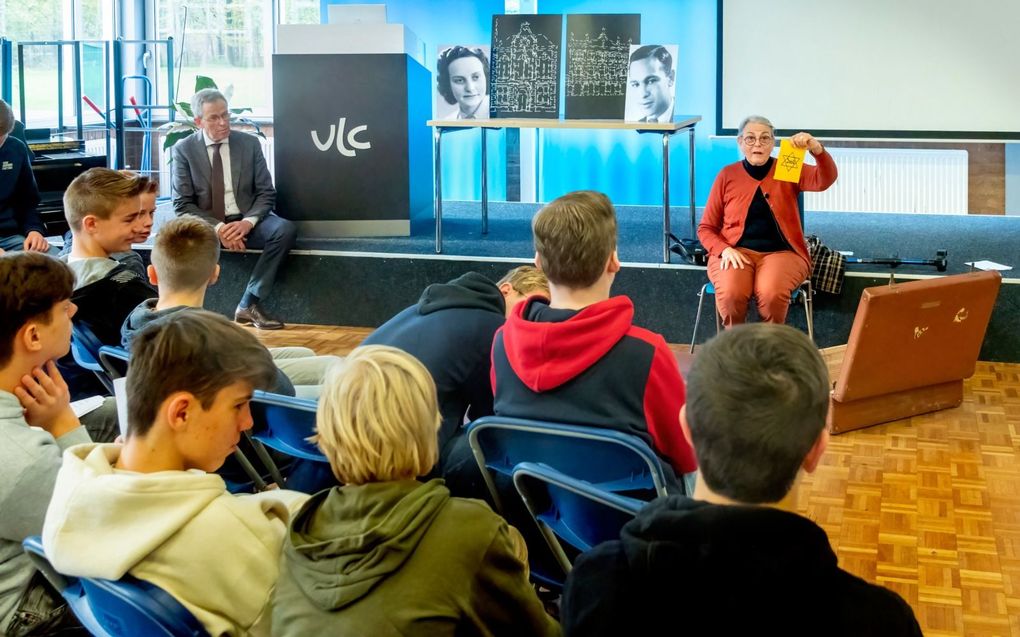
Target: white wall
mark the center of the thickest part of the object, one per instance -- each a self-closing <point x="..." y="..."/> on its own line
<point x="873" y="65"/>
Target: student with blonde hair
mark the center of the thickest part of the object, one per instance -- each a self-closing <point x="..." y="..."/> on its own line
<point x="385" y="554"/>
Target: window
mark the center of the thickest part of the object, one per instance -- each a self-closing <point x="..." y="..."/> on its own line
<point x="299" y="11"/>
<point x="227" y="40"/>
<point x="230" y="41"/>
<point x="48" y="20"/>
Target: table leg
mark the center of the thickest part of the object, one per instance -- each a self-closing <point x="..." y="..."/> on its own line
<point x="665" y="198"/>
<point x="437" y="136"/>
<point x="694" y="230"/>
<point x="485" y="183"/>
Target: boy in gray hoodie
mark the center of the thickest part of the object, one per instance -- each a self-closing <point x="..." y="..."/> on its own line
<point x="36" y="425"/>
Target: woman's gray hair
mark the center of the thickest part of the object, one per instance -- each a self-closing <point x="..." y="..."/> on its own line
<point x="203" y="97"/>
<point x="757" y="119"/>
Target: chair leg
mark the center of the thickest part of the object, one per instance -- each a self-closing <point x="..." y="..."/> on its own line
<point x="260" y="484"/>
<point x="809" y="309"/>
<point x="267" y="460"/>
<point x="697" y="317"/>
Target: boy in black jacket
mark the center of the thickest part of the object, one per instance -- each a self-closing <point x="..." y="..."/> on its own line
<point x="450" y="331"/>
<point x="731" y="561"/>
<point x="104" y="209"/>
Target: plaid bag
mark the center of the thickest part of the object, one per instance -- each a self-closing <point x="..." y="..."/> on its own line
<point x="827" y="266"/>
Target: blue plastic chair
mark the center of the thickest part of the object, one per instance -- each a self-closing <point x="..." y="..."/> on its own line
<point x="283" y="423"/>
<point x="570" y="511"/>
<point x="114" y="361"/>
<point x="128" y="606"/>
<point x="85" y="346"/>
<point x="609" y="460"/>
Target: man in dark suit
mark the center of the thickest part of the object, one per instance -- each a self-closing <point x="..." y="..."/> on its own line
<point x="221" y="176"/>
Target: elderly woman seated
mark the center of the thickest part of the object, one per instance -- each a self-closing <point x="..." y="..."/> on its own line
<point x="386" y="554"/>
<point x="751" y="226"/>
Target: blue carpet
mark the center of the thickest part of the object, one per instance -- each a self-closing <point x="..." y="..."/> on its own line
<point x="909" y="236"/>
<point x="968" y="238"/>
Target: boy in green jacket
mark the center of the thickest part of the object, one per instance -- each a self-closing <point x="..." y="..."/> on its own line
<point x="386" y="555"/>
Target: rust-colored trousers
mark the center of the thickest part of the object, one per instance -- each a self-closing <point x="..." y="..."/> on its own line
<point x="771" y="278"/>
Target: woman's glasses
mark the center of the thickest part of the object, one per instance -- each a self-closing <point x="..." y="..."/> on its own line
<point x="764" y="140"/>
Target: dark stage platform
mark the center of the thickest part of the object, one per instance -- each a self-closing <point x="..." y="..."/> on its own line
<point x="364" y="281"/>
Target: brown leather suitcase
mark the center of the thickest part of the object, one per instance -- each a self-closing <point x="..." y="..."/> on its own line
<point x="910" y="348"/>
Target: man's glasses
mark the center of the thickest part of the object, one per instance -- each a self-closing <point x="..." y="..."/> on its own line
<point x="764" y="140"/>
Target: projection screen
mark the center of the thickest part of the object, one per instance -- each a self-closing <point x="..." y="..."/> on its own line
<point x="872" y="68"/>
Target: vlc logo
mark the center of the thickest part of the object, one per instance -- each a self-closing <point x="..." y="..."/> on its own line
<point x="337" y="132"/>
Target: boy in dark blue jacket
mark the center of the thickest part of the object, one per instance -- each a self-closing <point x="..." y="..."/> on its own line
<point x="21" y="228"/>
<point x="450" y="331"/>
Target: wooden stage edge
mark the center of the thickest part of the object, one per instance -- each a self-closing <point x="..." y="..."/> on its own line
<point x="927" y="506"/>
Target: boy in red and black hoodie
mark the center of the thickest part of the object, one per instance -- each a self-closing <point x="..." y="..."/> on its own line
<point x="576" y="357"/>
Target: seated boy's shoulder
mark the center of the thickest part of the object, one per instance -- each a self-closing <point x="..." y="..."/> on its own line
<point x="125" y="273"/>
<point x="648" y="336"/>
<point x="472" y="519"/>
<point x="90" y="270"/>
<point x="257" y="509"/>
<point x="22" y="446"/>
<point x="889" y="613"/>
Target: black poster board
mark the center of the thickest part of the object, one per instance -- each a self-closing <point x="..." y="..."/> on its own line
<point x="598" y="50"/>
<point x="346" y="129"/>
<point x="525" y="71"/>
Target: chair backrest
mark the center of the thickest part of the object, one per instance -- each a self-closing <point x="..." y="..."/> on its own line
<point x="570" y="511"/>
<point x="610" y="460"/>
<point x="114" y="361"/>
<point x="18" y="132"/>
<point x="284" y="423"/>
<point x="85" y="346"/>
<point x="128" y="606"/>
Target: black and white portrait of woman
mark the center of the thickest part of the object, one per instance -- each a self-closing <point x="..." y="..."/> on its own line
<point x="462" y="82"/>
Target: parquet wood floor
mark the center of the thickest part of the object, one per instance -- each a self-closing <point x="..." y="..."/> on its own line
<point x="928" y="506"/>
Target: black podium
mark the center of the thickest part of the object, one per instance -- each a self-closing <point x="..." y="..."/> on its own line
<point x="352" y="151"/>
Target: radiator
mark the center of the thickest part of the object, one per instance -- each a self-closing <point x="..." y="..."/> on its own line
<point x="895" y="180"/>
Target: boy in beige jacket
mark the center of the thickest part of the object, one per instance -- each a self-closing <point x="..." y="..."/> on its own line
<point x="152" y="507"/>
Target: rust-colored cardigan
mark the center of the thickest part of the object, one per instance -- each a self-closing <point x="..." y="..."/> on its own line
<point x="722" y="225"/>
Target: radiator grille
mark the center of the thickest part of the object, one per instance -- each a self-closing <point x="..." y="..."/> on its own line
<point x="895" y="180"/>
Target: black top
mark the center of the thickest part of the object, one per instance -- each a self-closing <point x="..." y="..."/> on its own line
<point x="19" y="194"/>
<point x="761" y="230"/>
<point x="450" y="331"/>
<point x="724" y="570"/>
<point x="102" y="307"/>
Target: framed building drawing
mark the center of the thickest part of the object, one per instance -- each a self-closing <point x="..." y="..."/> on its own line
<point x="598" y="57"/>
<point x="525" y="65"/>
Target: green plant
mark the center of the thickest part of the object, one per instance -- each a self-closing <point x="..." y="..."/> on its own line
<point x="177" y="130"/>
